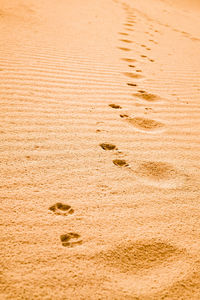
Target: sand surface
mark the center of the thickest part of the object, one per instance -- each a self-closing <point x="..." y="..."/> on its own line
<point x="100" y="153"/>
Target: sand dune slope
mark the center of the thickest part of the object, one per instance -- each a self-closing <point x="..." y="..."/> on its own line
<point x="100" y="160"/>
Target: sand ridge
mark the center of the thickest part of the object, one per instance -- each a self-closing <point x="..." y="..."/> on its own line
<point x="100" y="150"/>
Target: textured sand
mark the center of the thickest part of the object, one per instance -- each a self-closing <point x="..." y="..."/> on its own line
<point x="100" y="155"/>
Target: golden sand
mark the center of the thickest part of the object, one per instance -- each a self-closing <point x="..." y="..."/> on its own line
<point x="100" y="155"/>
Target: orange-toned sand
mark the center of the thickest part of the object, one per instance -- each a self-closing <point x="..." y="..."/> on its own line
<point x="100" y="153"/>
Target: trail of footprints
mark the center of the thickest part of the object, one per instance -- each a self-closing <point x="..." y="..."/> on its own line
<point x="143" y="255"/>
<point x="139" y="123"/>
<point x="151" y="172"/>
<point x="69" y="239"/>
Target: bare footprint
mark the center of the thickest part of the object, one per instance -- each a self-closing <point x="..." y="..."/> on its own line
<point x="70" y="239"/>
<point x="106" y="146"/>
<point x="61" y="209"/>
<point x="115" y="106"/>
<point x="120" y="162"/>
<point x="147" y="96"/>
<point x="145" y="124"/>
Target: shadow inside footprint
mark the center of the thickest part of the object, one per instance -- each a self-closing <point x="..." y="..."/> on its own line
<point x="120" y="162"/>
<point x="132" y="75"/>
<point x="106" y="146"/>
<point x="61" y="209"/>
<point x="126" y="41"/>
<point x="124" y="49"/>
<point x="128" y="24"/>
<point x="131" y="84"/>
<point x="128" y="59"/>
<point x="115" y="106"/>
<point x="123" y="33"/>
<point x="70" y="239"/>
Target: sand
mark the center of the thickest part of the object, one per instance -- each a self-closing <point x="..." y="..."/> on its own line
<point x="100" y="160"/>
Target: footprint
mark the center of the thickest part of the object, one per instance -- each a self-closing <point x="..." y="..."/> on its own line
<point x="120" y="162"/>
<point x="70" y="239"/>
<point x="61" y="209"/>
<point x="131" y="84"/>
<point x="145" y="124"/>
<point x="106" y="146"/>
<point x="147" y="96"/>
<point x="132" y="75"/>
<point x="126" y="41"/>
<point x="123" y="116"/>
<point x="115" y="106"/>
<point x="160" y="174"/>
<point x="144" y="255"/>
<point x="124" y="49"/>
<point x="151" y="267"/>
<point x="131" y="66"/>
<point x="123" y="33"/>
<point x="128" y="59"/>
